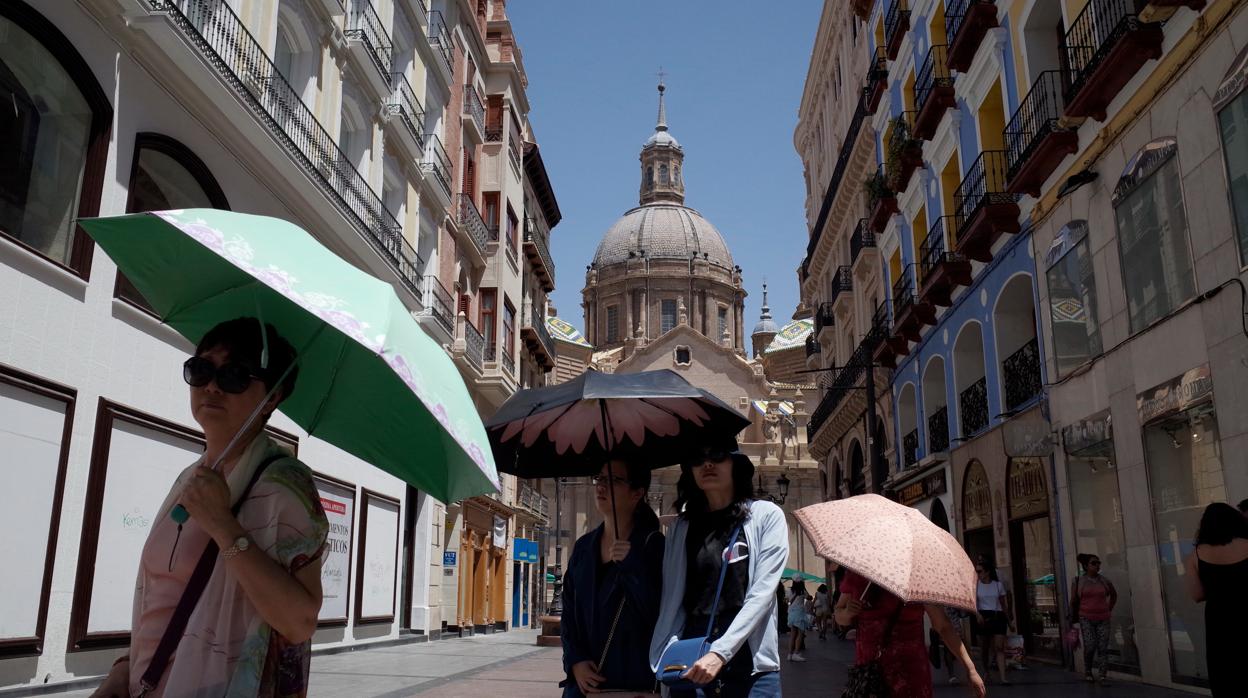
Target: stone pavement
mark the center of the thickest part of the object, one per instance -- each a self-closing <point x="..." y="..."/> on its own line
<point x="509" y="664"/>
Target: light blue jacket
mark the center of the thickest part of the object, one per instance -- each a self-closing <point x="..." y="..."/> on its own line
<point x="767" y="535"/>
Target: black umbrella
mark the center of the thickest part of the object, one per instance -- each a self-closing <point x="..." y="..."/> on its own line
<point x="571" y="429"/>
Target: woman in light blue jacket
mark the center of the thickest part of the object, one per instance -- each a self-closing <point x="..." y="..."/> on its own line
<point x="714" y="497"/>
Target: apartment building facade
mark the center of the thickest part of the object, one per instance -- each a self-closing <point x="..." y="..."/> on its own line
<point x="356" y="120"/>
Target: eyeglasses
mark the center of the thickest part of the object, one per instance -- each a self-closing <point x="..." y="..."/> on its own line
<point x="712" y="455"/>
<point x="230" y="377"/>
<point x="604" y="481"/>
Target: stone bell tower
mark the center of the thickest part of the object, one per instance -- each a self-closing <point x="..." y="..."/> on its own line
<point x="661" y="161"/>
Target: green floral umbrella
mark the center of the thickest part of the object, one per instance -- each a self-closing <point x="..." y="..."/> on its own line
<point x="371" y="381"/>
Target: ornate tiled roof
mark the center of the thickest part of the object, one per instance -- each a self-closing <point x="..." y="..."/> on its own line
<point x="791" y="335"/>
<point x="565" y="332"/>
<point x="662" y="230"/>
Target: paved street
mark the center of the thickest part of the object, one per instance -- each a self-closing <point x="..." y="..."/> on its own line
<point x="508" y="664"/>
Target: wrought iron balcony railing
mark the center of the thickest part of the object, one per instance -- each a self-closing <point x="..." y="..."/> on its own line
<point x="896" y="23"/>
<point x="910" y="447"/>
<point x="469" y="220"/>
<point x="534" y="235"/>
<point x="934" y="74"/>
<point x="1038" y="116"/>
<point x="824" y="317"/>
<point x="812" y="346"/>
<point x="474" y="108"/>
<point x="407" y="107"/>
<point x="365" y="26"/>
<point x="938" y="430"/>
<point x="933" y="251"/>
<point x="881" y="321"/>
<point x="862" y="238"/>
<point x="515" y="148"/>
<point x="491" y="352"/>
<point x="215" y="30"/>
<point x="1093" y="36"/>
<point x="1021" y="373"/>
<point x="493" y="132"/>
<point x="903" y="291"/>
<point x="984" y="185"/>
<point x="440" y="41"/>
<point x="538" y="323"/>
<point x="843" y="282"/>
<point x="834" y="185"/>
<point x="508" y="361"/>
<point x="438" y="303"/>
<point x="973" y="404"/>
<point x="877" y="80"/>
<point x="474" y="345"/>
<point x="438" y="164"/>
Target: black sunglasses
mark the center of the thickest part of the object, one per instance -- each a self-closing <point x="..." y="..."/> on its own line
<point x="708" y="455"/>
<point x="231" y="377"/>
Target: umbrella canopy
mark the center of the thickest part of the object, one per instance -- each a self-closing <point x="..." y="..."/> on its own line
<point x="558" y="431"/>
<point x="893" y="546"/>
<point x="790" y="573"/>
<point x="371" y="381"/>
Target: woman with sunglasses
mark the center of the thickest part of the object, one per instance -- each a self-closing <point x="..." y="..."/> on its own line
<point x="714" y="499"/>
<point x="1092" y="601"/>
<point x="250" y="632"/>
<point x="611" y="589"/>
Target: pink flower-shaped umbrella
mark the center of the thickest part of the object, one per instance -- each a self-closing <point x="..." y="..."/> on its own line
<point x="894" y="547"/>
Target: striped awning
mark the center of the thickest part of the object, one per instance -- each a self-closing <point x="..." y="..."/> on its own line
<point x="786" y="408"/>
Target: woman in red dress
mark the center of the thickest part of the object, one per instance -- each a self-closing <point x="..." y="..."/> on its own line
<point x="904" y="657"/>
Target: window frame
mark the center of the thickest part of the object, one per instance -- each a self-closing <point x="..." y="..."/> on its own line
<point x="1240" y="236"/>
<point x="613" y="323"/>
<point x="99" y="133"/>
<point x="664" y="327"/>
<point x="1082" y="243"/>
<point x="509" y="327"/>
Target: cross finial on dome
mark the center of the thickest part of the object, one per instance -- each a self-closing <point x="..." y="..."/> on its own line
<point x="766" y="314"/>
<point x="662" y="123"/>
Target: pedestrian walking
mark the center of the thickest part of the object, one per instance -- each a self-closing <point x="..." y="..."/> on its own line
<point x="611" y="590"/>
<point x="1092" y="600"/>
<point x="890" y="632"/>
<point x="823" y="609"/>
<point x="956" y="619"/>
<point x="801" y="615"/>
<point x="992" y="617"/>
<point x="248" y="558"/>
<point x="782" y="603"/>
<point x="724" y="556"/>
<point x="1217" y="575"/>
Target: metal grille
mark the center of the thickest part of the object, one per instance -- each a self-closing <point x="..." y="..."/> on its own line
<point x="1092" y="36"/>
<point x="438" y="164"/>
<point x="538" y="238"/>
<point x="938" y="430"/>
<point x="974" y="407"/>
<point x="365" y="26"/>
<point x="469" y="220"/>
<point x="1021" y="372"/>
<point x="843" y="282"/>
<point x="862" y="238"/>
<point x="825" y="317"/>
<point x="983" y="185"/>
<point x="903" y="291"/>
<point x="440" y="40"/>
<point x="407" y="107"/>
<point x="474" y="108"/>
<point x="934" y="250"/>
<point x="1037" y="117"/>
<point x="898" y="14"/>
<point x="910" y="447"/>
<point x="956" y="12"/>
<point x="438" y="303"/>
<point x="934" y="73"/>
<point x="474" y="345"/>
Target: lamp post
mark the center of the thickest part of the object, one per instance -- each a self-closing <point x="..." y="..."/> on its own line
<point x="782" y="486"/>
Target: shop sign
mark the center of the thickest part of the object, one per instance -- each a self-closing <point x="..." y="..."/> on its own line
<point x="926" y="488"/>
<point x="500" y="532"/>
<point x="339" y="505"/>
<point x="1175" y="395"/>
<point x="1027" y="438"/>
<point x="524" y="550"/>
<point x="448" y="558"/>
<point x="1087" y="433"/>
<point x="1027" y="491"/>
<point x="976" y="498"/>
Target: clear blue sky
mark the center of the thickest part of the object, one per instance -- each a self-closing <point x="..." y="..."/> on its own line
<point x="735" y="77"/>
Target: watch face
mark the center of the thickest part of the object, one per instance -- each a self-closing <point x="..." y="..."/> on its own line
<point x="242" y="543"/>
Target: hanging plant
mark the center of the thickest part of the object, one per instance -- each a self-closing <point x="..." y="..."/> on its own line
<point x="876" y="188"/>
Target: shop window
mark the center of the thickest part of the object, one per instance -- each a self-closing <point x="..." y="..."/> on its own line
<point x="379" y="553"/>
<point x="1072" y="299"/>
<point x="166" y="175"/>
<point x="1233" y="123"/>
<point x="1152" y="235"/>
<point x="54" y="131"/>
<point x="1096" y="509"/>
<point x="338" y="499"/>
<point x="1185" y="475"/>
<point x="668" y="315"/>
<point x="613" y="324"/>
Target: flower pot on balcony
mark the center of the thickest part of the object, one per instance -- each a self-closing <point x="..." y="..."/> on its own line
<point x="884" y="208"/>
<point x="911" y="159"/>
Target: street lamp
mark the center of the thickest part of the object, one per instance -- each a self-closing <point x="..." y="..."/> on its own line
<point x="782" y="485"/>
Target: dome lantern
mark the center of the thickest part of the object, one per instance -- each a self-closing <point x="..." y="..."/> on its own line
<point x="661" y="162"/>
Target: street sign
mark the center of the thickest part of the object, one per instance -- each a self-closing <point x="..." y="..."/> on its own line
<point x="448" y="558"/>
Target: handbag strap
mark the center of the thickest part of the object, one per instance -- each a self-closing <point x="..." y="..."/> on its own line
<point x="190" y="596"/>
<point x="723" y="572"/>
<point x="602" y="659"/>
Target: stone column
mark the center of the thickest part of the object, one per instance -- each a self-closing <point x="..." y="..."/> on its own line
<point x="712" y="319"/>
<point x="645" y="314"/>
<point x="628" y="315"/>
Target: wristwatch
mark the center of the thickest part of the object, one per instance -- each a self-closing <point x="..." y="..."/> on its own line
<point x="241" y="544"/>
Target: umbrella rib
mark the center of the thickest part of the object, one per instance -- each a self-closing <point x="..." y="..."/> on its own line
<point x="252" y="281"/>
<point x="333" y="380"/>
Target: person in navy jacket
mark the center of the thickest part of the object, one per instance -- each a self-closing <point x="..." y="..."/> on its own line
<point x="614" y="578"/>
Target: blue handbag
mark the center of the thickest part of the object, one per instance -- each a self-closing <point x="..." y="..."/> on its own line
<point x="681" y="655"/>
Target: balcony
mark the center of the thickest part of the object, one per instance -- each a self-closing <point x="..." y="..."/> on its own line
<point x="211" y="28"/>
<point x="843" y="287"/>
<point x="940" y="271"/>
<point x="405" y="111"/>
<point x="440" y="42"/>
<point x="438" y="166"/>
<point x="848" y="146"/>
<point x="1036" y="141"/>
<point x="983" y="209"/>
<point x="515" y="149"/>
<point x="813" y="348"/>
<point x="438" y="305"/>
<point x="537" y="338"/>
<point x="881" y="329"/>
<point x="474" y="113"/>
<point x="938" y="430"/>
<point x="534" y="502"/>
<point x="1106" y="46"/>
<point x="846" y="381"/>
<point x="877" y="81"/>
<point x="966" y="24"/>
<point x="468" y="218"/>
<point x="903" y="152"/>
<point x="469" y="344"/>
<point x="862" y="245"/>
<point x="538" y="253"/>
<point x="825" y="319"/>
<point x="910" y="313"/>
<point x="368" y="41"/>
<point x="910" y="448"/>
<point x="933" y="93"/>
<point x="881" y="202"/>
<point x="1021" y="373"/>
<point x="973" y="406"/>
<point x="896" y="24"/>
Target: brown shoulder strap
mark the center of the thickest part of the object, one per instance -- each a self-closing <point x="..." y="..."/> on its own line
<point x="190" y="596"/>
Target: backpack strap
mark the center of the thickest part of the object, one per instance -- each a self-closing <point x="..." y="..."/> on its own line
<point x="190" y="596"/>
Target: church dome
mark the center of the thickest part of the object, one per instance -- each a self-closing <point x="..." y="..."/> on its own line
<point x="668" y="231"/>
<point x="662" y="138"/>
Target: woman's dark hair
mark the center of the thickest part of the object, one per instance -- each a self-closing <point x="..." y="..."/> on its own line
<point x="638" y="476"/>
<point x="1082" y="559"/>
<point x="241" y="339"/>
<point x="1220" y="524"/>
<point x="1243" y="506"/>
<point x="823" y="588"/>
<point x="691" y="500"/>
<point x="990" y="569"/>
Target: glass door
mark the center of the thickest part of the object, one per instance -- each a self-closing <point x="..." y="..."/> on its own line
<point x="1035" y="588"/>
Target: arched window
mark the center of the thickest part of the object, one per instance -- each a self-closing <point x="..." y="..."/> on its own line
<point x="663" y="176"/>
<point x="650" y="177"/>
<point x="54" y="131"/>
<point x="675" y="174"/>
<point x="166" y="175"/>
<point x="284" y="56"/>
